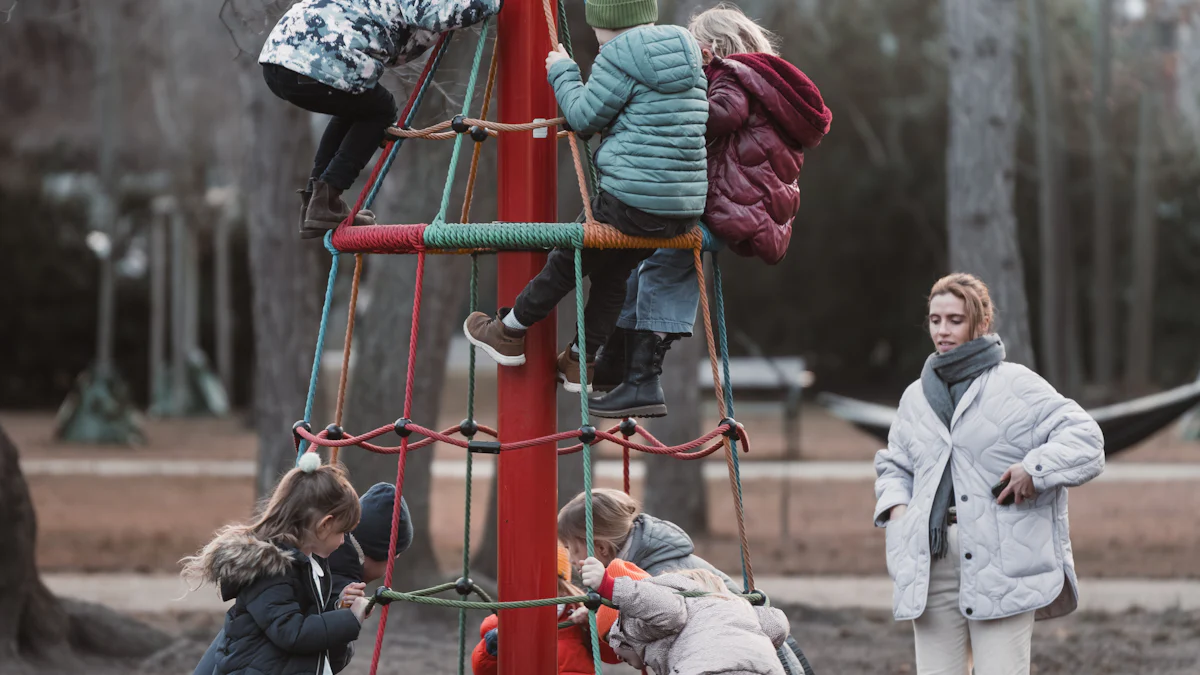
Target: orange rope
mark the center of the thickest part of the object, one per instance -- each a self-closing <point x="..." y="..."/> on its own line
<point x="341" y="395"/>
<point x="719" y="389"/>
<point x="483" y="113"/>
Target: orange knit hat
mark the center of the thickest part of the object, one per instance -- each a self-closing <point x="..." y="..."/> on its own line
<point x="564" y="563"/>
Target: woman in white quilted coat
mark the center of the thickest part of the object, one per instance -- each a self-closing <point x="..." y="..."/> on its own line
<point x="972" y="489"/>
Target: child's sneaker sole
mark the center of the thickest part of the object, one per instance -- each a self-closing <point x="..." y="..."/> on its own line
<point x="499" y="358"/>
<point x="569" y="386"/>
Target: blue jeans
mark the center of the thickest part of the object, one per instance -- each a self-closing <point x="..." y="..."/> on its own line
<point x="661" y="294"/>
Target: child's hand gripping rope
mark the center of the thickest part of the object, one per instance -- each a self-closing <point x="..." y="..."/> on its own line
<point x="592" y="573"/>
<point x="555" y="56"/>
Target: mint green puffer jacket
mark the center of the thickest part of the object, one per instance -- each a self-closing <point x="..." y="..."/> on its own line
<point x="647" y="94"/>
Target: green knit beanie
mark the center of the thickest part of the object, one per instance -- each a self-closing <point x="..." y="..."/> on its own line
<point x="618" y="14"/>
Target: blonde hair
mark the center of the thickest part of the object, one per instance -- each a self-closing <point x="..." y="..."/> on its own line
<point x="292" y="512"/>
<point x="727" y="30"/>
<point x="613" y="513"/>
<point x="708" y="581"/>
<point x="981" y="313"/>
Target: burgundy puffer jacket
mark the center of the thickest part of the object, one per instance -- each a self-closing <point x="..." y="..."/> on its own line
<point x="762" y="113"/>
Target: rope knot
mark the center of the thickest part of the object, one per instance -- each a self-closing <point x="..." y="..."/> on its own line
<point x="401" y="427"/>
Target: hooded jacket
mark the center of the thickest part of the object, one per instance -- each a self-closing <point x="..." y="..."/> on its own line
<point x="706" y="634"/>
<point x="763" y="114"/>
<point x="646" y="94"/>
<point x="347" y="43"/>
<point x="279" y="623"/>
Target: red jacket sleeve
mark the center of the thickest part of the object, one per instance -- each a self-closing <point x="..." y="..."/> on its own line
<point x="728" y="106"/>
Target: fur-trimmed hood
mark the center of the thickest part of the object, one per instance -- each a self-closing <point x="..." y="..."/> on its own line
<point x="235" y="559"/>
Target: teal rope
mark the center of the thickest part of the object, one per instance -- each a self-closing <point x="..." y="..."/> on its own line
<point x="466" y="108"/>
<point x="412" y="114"/>
<point x="466" y="559"/>
<point x="316" y="367"/>
<point x="581" y="339"/>
<point x="517" y="236"/>
<point x="718" y="291"/>
<point x="564" y="36"/>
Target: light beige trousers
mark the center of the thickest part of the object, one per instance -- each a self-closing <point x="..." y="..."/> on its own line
<point x="947" y="642"/>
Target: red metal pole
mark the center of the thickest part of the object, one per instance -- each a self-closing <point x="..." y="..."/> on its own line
<point x="528" y="488"/>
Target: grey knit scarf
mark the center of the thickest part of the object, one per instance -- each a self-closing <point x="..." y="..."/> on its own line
<point x="944" y="380"/>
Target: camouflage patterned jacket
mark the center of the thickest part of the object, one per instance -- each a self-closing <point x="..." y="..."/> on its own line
<point x="347" y="43"/>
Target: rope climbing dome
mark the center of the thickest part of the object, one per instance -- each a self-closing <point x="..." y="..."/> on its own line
<point x="441" y="237"/>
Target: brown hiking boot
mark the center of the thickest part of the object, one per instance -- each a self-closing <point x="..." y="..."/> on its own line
<point x="568" y="371"/>
<point x="325" y="210"/>
<point x="505" y="345"/>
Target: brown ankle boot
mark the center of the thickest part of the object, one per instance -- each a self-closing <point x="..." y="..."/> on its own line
<point x="326" y="211"/>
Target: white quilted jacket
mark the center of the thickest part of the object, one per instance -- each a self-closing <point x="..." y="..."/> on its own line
<point x="1016" y="558"/>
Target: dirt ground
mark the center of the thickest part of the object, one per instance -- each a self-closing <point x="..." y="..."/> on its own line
<point x="424" y="642"/>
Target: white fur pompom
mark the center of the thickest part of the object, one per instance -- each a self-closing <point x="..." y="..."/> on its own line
<point x="309" y="462"/>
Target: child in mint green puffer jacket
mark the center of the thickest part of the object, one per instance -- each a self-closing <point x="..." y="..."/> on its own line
<point x="647" y="97"/>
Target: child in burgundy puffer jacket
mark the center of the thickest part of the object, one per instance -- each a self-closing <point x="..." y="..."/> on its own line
<point x="763" y="114"/>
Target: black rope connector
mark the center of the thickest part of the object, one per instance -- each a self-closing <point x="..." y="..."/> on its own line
<point x="731" y="427"/>
<point x="484" y="447"/>
<point x="566" y="126"/>
<point x="593" y="601"/>
<point x="479" y="134"/>
<point x="401" y="427"/>
<point x="468" y="428"/>
<point x="464" y="586"/>
<point x="301" y="424"/>
<point x="334" y="433"/>
<point x="380" y="598"/>
<point x="758" y="598"/>
<point x="628" y="427"/>
<point x="459" y="124"/>
<point x="587" y="434"/>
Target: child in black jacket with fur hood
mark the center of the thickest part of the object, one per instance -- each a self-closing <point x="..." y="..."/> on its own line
<point x="285" y="620"/>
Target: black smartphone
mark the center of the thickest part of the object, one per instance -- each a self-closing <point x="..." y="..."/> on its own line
<point x="998" y="488"/>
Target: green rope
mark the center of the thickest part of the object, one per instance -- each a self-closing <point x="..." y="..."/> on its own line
<point x="564" y="36"/>
<point x="466" y="559"/>
<point x="424" y="597"/>
<point x="723" y="340"/>
<point x="581" y="341"/>
<point x="441" y="216"/>
<point x="518" y="236"/>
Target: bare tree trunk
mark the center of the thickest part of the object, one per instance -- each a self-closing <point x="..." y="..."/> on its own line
<point x="1049" y="191"/>
<point x="675" y="489"/>
<point x="158" y="305"/>
<point x="223" y="298"/>
<point x="286" y="274"/>
<point x="1104" y="303"/>
<point x="38" y="633"/>
<point x="1145" y="236"/>
<point x="980" y="158"/>
<point x="179" y="310"/>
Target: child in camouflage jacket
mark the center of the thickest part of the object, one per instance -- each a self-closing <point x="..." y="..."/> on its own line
<point x="326" y="56"/>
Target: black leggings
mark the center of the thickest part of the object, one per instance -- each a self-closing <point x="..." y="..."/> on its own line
<point x="353" y="134"/>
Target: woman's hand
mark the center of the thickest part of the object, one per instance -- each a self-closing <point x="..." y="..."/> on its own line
<point x="1020" y="485"/>
<point x="897" y="512"/>
<point x="351" y="592"/>
<point x="555" y="56"/>
<point x="592" y="573"/>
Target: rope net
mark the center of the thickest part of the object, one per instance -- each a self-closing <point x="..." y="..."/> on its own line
<point x="466" y="238"/>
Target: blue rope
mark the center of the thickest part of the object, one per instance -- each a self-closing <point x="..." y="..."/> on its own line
<point x="316" y="367"/>
<point x="412" y="114"/>
<point x="723" y="339"/>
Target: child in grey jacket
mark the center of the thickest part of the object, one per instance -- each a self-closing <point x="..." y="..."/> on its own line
<point x="715" y="633"/>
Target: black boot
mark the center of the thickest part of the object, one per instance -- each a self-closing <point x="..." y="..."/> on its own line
<point x="640" y="394"/>
<point x="306" y="197"/>
<point x="611" y="362"/>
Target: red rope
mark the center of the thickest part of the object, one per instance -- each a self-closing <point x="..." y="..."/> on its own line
<point x="403" y="461"/>
<point x="625" y="453"/>
<point x="387" y="148"/>
<point x="686" y="451"/>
